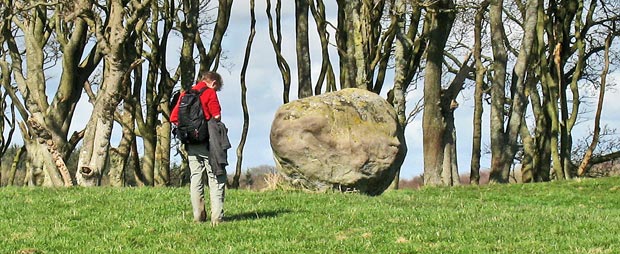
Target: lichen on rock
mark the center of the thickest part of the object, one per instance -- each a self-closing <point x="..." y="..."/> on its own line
<point x="345" y="140"/>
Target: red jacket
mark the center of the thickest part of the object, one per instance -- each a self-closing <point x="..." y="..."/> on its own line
<point x="210" y="103"/>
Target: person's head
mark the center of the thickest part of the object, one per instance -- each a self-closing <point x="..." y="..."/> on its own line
<point x="212" y="79"/>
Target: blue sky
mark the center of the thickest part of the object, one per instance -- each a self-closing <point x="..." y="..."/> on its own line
<point x="265" y="89"/>
<point x="264" y="86"/>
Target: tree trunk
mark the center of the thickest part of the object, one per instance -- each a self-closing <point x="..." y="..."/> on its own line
<point x="304" y="70"/>
<point x="342" y="36"/>
<point x="189" y="30"/>
<point x="400" y="62"/>
<point x="49" y="122"/>
<point x="584" y="166"/>
<point x="504" y="143"/>
<point x="276" y="42"/>
<point x="116" y="175"/>
<point x="93" y="158"/>
<point x="498" y="84"/>
<point x="356" y="24"/>
<point x="449" y="172"/>
<point x="434" y="123"/>
<point x="528" y="162"/>
<point x="133" y="163"/>
<point x="16" y="159"/>
<point x="158" y="93"/>
<point x="563" y="153"/>
<point x="223" y="17"/>
<point x="543" y="111"/>
<point x="162" y="155"/>
<point x="46" y="175"/>
<point x="474" y="175"/>
<point x="120" y="155"/>
<point x="327" y="71"/>
<point x="147" y="124"/>
<point x="244" y="106"/>
<point x="7" y="111"/>
<point x="543" y="146"/>
<point x="113" y="39"/>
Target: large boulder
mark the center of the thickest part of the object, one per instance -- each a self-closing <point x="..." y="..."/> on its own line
<point x="348" y="140"/>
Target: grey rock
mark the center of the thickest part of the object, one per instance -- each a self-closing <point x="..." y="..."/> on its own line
<point x="347" y="140"/>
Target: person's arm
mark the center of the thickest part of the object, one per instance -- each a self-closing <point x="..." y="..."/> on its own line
<point x="214" y="106"/>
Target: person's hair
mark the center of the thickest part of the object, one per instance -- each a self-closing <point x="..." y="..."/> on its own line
<point x="211" y="75"/>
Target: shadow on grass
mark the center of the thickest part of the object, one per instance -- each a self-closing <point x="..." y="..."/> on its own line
<point x="256" y="215"/>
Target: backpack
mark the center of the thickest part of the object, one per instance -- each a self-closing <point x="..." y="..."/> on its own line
<point x="192" y="128"/>
<point x="174" y="98"/>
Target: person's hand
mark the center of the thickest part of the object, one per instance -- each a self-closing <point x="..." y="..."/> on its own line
<point x="218" y="117"/>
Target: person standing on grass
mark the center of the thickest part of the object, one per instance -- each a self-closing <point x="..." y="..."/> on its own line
<point x="201" y="157"/>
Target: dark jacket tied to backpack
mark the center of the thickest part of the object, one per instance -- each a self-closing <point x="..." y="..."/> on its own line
<point x="218" y="145"/>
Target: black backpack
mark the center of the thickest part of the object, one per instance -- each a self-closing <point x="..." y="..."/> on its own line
<point x="192" y="128"/>
<point x="174" y="98"/>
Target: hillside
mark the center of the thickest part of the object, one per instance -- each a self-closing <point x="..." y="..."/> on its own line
<point x="579" y="216"/>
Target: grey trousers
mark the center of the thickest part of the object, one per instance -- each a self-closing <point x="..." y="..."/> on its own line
<point x="198" y="166"/>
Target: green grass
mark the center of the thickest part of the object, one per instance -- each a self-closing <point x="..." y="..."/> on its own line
<point x="580" y="216"/>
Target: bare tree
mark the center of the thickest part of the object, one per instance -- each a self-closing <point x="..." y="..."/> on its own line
<point x="409" y="46"/>
<point x="276" y="42"/>
<point x="119" y="156"/>
<point x="363" y="43"/>
<point x="244" y="105"/>
<point x="167" y="80"/>
<point x="504" y="143"/>
<point x="583" y="167"/>
<point x="45" y="136"/>
<point x="437" y="135"/>
<point x="327" y="71"/>
<point x="365" y="36"/>
<point x="210" y="60"/>
<point x="7" y="111"/>
<point x="153" y="127"/>
<point x="304" y="70"/>
<point x="474" y="176"/>
<point x="122" y="18"/>
<point x="5" y="78"/>
<point x="577" y="37"/>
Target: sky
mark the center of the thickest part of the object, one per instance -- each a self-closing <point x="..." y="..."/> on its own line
<point x="264" y="95"/>
<point x="264" y="86"/>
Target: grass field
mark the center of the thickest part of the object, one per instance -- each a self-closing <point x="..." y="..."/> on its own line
<point x="580" y="216"/>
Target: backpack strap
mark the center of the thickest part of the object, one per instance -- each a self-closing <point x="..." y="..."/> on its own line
<point x="200" y="94"/>
<point x="199" y="91"/>
<point x="202" y="90"/>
